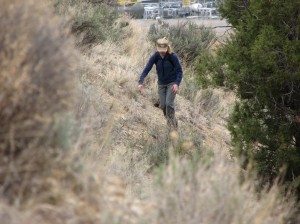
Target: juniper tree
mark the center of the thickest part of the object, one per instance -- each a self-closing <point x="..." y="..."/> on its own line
<point x="262" y="61"/>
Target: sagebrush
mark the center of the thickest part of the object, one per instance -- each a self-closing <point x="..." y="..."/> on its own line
<point x="187" y="39"/>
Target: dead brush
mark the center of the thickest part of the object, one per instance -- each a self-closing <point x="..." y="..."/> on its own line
<point x="208" y="190"/>
<point x="37" y="87"/>
<point x="43" y="178"/>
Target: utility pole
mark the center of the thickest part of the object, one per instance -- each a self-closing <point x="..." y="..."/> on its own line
<point x="122" y="3"/>
<point x="161" y="10"/>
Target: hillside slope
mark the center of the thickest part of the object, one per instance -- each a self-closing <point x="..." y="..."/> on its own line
<point x="82" y="145"/>
<point x="131" y="138"/>
<point x="111" y="86"/>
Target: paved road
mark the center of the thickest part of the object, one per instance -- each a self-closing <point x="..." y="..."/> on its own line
<point x="217" y="24"/>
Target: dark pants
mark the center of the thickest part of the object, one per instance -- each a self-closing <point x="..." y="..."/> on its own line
<point x="167" y="104"/>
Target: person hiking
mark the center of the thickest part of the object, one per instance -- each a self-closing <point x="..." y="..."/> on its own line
<point x="169" y="73"/>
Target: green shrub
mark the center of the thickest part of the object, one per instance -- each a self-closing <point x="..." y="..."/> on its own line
<point x="262" y="67"/>
<point x="187" y="39"/>
<point x="210" y="70"/>
<point x="93" y="23"/>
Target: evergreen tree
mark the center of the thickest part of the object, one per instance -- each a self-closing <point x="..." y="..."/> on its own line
<point x="262" y="65"/>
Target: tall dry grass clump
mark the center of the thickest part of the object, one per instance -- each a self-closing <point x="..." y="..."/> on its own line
<point x="209" y="190"/>
<point x="43" y="175"/>
<point x="37" y="96"/>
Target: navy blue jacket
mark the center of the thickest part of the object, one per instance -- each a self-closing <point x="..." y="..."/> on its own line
<point x="168" y="71"/>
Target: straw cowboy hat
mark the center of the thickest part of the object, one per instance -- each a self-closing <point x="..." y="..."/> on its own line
<point x="162" y="44"/>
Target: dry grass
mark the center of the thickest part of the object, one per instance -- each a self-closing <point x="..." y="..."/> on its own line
<point x="210" y="191"/>
<point x="98" y="167"/>
<point x="37" y="85"/>
<point x="37" y="74"/>
<point x="207" y="190"/>
<point x="215" y="104"/>
<point x="45" y="177"/>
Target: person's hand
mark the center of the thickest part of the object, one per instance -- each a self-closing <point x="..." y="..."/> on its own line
<point x="297" y="118"/>
<point x="175" y="88"/>
<point x="140" y="87"/>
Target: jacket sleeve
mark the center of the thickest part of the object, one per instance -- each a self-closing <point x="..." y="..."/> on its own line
<point x="147" y="69"/>
<point x="178" y="69"/>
